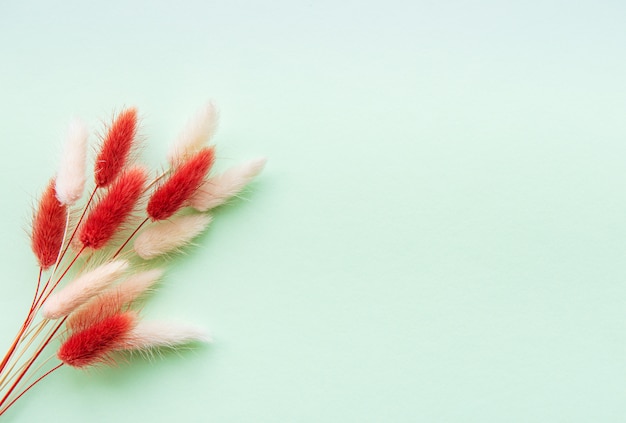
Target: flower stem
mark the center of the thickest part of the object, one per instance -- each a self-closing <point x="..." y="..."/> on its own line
<point x="30" y="363"/>
<point x="119" y="250"/>
<point x="30" y="386"/>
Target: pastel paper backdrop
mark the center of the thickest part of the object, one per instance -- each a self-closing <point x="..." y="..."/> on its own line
<point x="439" y="234"/>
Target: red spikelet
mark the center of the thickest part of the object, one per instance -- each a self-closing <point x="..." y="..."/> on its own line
<point x="182" y="184"/>
<point x="94" y="344"/>
<point x="48" y="228"/>
<point x="116" y="147"/>
<point x="113" y="209"/>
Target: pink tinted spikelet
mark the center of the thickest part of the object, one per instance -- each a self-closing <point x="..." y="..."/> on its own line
<point x="95" y="311"/>
<point x="48" y="228"/>
<point x="116" y="147"/>
<point x="111" y="302"/>
<point x="113" y="209"/>
<point x="181" y="185"/>
<point x="94" y="344"/>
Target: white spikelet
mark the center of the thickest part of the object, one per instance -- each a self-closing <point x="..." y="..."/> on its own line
<point x="196" y="134"/>
<point x="82" y="289"/>
<point x="219" y="189"/>
<point x="169" y="235"/>
<point x="155" y="334"/>
<point x="70" y="181"/>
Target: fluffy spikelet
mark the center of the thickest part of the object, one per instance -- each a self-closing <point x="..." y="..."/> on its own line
<point x="94" y="344"/>
<point x="181" y="185"/>
<point x="217" y="190"/>
<point x="111" y="301"/>
<point x="116" y="147"/>
<point x="135" y="285"/>
<point x="169" y="235"/>
<point x="48" y="228"/>
<point x="82" y="289"/>
<point x="195" y="135"/>
<point x="113" y="209"/>
<point x="96" y="310"/>
<point x="70" y="181"/>
<point x="156" y="334"/>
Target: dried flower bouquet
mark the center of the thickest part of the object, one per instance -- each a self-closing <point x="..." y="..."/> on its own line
<point x="105" y="247"/>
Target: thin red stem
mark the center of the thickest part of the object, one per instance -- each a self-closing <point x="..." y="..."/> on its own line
<point x="13" y="347"/>
<point x="80" y="220"/>
<point x="30" y="386"/>
<point x="31" y="361"/>
<point x="32" y="306"/>
<point x="42" y="299"/>
<point x="119" y="250"/>
<point x="25" y="325"/>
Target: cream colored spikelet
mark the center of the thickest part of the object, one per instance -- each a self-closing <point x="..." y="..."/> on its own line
<point x="166" y="236"/>
<point x="82" y="289"/>
<point x="219" y="189"/>
<point x="70" y="180"/>
<point x="195" y="135"/>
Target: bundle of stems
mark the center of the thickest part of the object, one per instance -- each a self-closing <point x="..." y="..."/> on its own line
<point x="96" y="258"/>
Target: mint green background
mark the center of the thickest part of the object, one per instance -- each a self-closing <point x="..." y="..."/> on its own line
<point x="440" y="233"/>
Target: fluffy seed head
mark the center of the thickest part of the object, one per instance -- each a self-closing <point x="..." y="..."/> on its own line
<point x="172" y="194"/>
<point x="112" y="210"/>
<point x="70" y="181"/>
<point x="94" y="311"/>
<point x="169" y="235"/>
<point x="111" y="301"/>
<point x="48" y="228"/>
<point x="82" y="289"/>
<point x="217" y="190"/>
<point x="94" y="344"/>
<point x="148" y="335"/>
<point x="196" y="133"/>
<point x="116" y="147"/>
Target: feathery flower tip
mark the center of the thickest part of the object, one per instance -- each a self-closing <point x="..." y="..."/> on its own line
<point x="116" y="147"/>
<point x="219" y="189"/>
<point x="197" y="132"/>
<point x="181" y="185"/>
<point x="82" y="289"/>
<point x="48" y="228"/>
<point x="94" y="344"/>
<point x="113" y="209"/>
<point x="169" y="235"/>
<point x="70" y="181"/>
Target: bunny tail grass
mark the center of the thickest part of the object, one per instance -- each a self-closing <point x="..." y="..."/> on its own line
<point x="82" y="289"/>
<point x="48" y="227"/>
<point x="197" y="132"/>
<point x="169" y="235"/>
<point x="155" y="334"/>
<point x="70" y="181"/>
<point x="94" y="344"/>
<point x="113" y="209"/>
<point x="112" y="300"/>
<point x="219" y="189"/>
<point x="116" y="147"/>
<point x="184" y="181"/>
